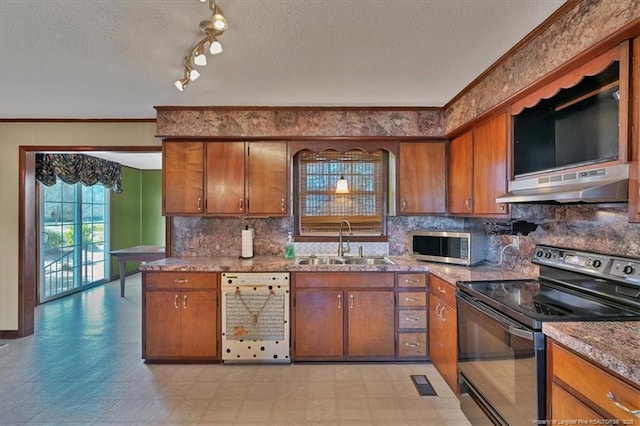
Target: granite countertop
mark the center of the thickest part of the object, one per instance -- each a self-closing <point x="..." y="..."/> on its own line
<point x="615" y="345"/>
<point x="450" y="273"/>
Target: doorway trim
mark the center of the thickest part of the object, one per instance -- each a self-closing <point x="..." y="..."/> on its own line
<point x="27" y="228"/>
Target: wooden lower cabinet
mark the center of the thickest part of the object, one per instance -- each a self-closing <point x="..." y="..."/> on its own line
<point x="411" y="308"/>
<point x="180" y="316"/>
<point x="580" y="389"/>
<point x="319" y="324"/>
<point x="343" y="316"/>
<point x="443" y="330"/>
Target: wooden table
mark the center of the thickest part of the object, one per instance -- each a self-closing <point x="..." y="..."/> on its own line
<point x="135" y="254"/>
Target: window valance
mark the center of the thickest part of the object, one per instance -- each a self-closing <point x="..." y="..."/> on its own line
<point x="74" y="168"/>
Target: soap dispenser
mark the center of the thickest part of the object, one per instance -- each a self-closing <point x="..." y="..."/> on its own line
<point x="289" y="250"/>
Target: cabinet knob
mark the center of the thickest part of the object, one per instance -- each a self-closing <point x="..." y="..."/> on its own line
<point x="404" y="204"/>
<point x="184" y="302"/>
<point x="468" y="204"/>
<point x="175" y="301"/>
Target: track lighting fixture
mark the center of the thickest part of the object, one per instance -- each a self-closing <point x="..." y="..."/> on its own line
<point x="211" y="29"/>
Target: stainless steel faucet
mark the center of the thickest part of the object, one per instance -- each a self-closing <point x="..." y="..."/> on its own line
<point x="340" y="248"/>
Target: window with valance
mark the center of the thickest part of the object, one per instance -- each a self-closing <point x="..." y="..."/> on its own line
<point x="74" y="168"/>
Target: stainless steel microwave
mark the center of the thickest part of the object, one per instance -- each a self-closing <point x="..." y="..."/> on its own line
<point x="460" y="248"/>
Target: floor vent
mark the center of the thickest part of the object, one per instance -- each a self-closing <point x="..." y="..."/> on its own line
<point x="422" y="385"/>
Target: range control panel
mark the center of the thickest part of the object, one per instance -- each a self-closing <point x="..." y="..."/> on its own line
<point x="597" y="264"/>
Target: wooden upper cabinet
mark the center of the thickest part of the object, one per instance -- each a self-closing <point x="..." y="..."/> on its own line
<point x="267" y="181"/>
<point x="490" y="166"/>
<point x="225" y="178"/>
<point x="183" y="178"/>
<point x="634" y="169"/>
<point x="478" y="170"/>
<point x="460" y="182"/>
<point x="421" y="178"/>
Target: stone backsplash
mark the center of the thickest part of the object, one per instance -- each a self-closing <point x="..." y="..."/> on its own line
<point x="592" y="227"/>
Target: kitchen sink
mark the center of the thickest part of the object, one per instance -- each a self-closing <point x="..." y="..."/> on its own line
<point x="368" y="261"/>
<point x="336" y="260"/>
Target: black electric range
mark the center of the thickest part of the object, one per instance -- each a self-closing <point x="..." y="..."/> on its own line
<point x="501" y="346"/>
<point x="573" y="286"/>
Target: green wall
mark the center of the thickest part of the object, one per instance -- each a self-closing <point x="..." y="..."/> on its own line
<point x="136" y="213"/>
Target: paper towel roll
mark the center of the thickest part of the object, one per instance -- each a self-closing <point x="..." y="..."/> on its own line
<point x="247" y="243"/>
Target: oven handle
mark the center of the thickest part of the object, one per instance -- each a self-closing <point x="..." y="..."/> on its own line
<point x="509" y="325"/>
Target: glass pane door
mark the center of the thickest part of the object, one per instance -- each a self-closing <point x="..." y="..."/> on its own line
<point x="73" y="245"/>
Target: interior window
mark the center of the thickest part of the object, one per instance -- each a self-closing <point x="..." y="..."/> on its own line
<point x="321" y="209"/>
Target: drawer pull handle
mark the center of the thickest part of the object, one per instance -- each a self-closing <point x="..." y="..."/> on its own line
<point x="412" y="319"/>
<point x="351" y="297"/>
<point x="411" y="299"/>
<point x="339" y="301"/>
<point x="412" y="345"/>
<point x="282" y="205"/>
<point x="184" y="302"/>
<point x="181" y="280"/>
<point x="612" y="398"/>
<point x="409" y="280"/>
<point x="441" y="290"/>
<point x="175" y="301"/>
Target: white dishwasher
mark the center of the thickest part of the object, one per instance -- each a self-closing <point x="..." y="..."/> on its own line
<point x="255" y="317"/>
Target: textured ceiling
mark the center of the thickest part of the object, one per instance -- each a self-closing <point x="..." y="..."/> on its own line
<point x="119" y="58"/>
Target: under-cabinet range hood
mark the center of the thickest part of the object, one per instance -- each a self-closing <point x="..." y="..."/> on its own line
<point x="596" y="185"/>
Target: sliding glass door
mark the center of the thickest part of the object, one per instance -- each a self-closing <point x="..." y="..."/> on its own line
<point x="73" y="238"/>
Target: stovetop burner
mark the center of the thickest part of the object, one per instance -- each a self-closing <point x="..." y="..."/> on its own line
<point x="544" y="302"/>
<point x="573" y="286"/>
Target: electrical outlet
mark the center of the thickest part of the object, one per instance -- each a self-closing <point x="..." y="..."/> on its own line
<point x="515" y="241"/>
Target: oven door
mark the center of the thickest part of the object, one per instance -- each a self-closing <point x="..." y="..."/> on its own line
<point x="501" y="365"/>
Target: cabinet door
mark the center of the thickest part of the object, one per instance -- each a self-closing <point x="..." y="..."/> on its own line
<point x="460" y="182"/>
<point x="490" y="166"/>
<point x="225" y="178"/>
<point x="443" y="340"/>
<point x="199" y="323"/>
<point x="162" y="324"/>
<point x="182" y="177"/>
<point x="267" y="178"/>
<point x="370" y="323"/>
<point x="421" y="178"/>
<point x="319" y="324"/>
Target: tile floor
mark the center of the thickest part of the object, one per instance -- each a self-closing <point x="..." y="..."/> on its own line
<point x="82" y="366"/>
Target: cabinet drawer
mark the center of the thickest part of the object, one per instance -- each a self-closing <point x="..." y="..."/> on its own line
<point x="442" y="289"/>
<point x="409" y="318"/>
<point x="412" y="280"/>
<point x="412" y="298"/>
<point x="180" y="280"/>
<point x="412" y="344"/>
<point x="593" y="383"/>
<point x="343" y="280"/>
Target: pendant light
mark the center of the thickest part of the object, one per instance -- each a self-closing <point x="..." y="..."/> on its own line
<point x="342" y="187"/>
